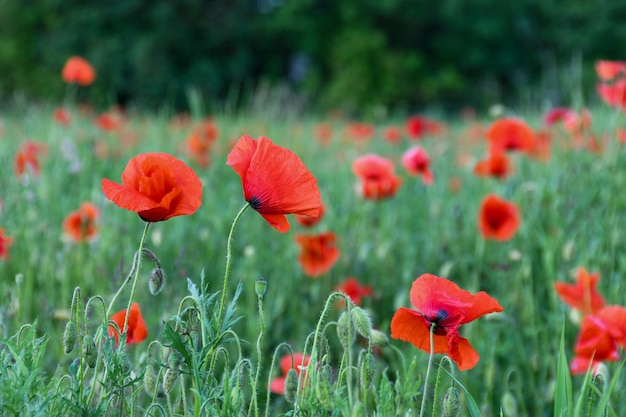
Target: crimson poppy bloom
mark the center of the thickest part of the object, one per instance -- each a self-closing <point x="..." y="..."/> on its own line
<point x="609" y="70"/>
<point x="359" y="131"/>
<point x="417" y="162"/>
<point x="79" y="71"/>
<point x="441" y="303"/>
<point x="62" y="116"/>
<point x="498" y="219"/>
<point x="27" y="158"/>
<point x="318" y="253"/>
<point x="309" y="221"/>
<point x="376" y="177"/>
<point x="582" y="295"/>
<point x="613" y="94"/>
<point x="80" y="225"/>
<point x="419" y="126"/>
<point x="200" y="142"/>
<point x="353" y="289"/>
<point x="5" y="243"/>
<point x="136" y="331"/>
<point x="157" y="186"/>
<point x="277" y="385"/>
<point x="496" y="165"/>
<point x="510" y="134"/>
<point x="558" y="114"/>
<point x="275" y="181"/>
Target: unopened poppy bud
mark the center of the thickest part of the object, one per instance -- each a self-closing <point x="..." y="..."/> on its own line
<point x="260" y="286"/>
<point x="169" y="379"/>
<point x="156" y="282"/>
<point x="451" y="403"/>
<point x="379" y="338"/>
<point x="90" y="352"/>
<point x="323" y="388"/>
<point x="236" y="398"/>
<point x="291" y="385"/>
<point x="69" y="337"/>
<point x="509" y="405"/>
<point x="174" y="359"/>
<point x="368" y="368"/>
<point x="601" y="376"/>
<point x="150" y="380"/>
<point x="361" y="321"/>
<point x="344" y="330"/>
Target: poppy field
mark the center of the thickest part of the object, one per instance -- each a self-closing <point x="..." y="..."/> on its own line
<point x="162" y="264"/>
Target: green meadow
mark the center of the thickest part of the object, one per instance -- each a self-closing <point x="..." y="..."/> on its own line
<point x="573" y="214"/>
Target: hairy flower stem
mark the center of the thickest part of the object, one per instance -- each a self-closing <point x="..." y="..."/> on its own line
<point x="431" y="354"/>
<point x="228" y="259"/>
<point x="259" y="364"/>
<point x="136" y="278"/>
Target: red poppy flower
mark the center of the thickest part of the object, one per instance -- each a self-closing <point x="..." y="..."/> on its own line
<point x="317" y="253"/>
<point x="613" y="94"/>
<point x="277" y="385"/>
<point x="496" y="165"/>
<point x="359" y="131"/>
<point x="137" y="330"/>
<point x="609" y="70"/>
<point x="417" y="162"/>
<point x="510" y="134"/>
<point x="200" y="142"/>
<point x="309" y="221"/>
<point x="418" y="126"/>
<point x="353" y="288"/>
<point x="27" y="158"/>
<point x="499" y="219"/>
<point x="441" y="303"/>
<point x="5" y="243"/>
<point x="62" y="116"/>
<point x="377" y="179"/>
<point x="392" y="134"/>
<point x="80" y="224"/>
<point x="594" y="345"/>
<point x="582" y="295"/>
<point x="79" y="71"/>
<point x="157" y="186"/>
<point x="275" y="181"/>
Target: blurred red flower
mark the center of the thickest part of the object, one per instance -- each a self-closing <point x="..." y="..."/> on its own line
<point x="200" y="142"/>
<point x="417" y="162"/>
<point x="613" y="94"/>
<point x="359" y="131"/>
<point x="441" y="303"/>
<point x="80" y="224"/>
<point x="510" y="134"/>
<point x="558" y="114"/>
<point x="376" y="177"/>
<point x="419" y="126"/>
<point x="79" y="71"/>
<point x="274" y="180"/>
<point x="498" y="219"/>
<point x="137" y="330"/>
<point x="353" y="288"/>
<point x="392" y="134"/>
<point x="582" y="295"/>
<point x="310" y="221"/>
<point x="157" y="186"/>
<point x="318" y="253"/>
<point x="496" y="165"/>
<point x="27" y="158"/>
<point x="609" y="70"/>
<point x="5" y="243"/>
<point x="277" y="385"/>
<point x="62" y="116"/>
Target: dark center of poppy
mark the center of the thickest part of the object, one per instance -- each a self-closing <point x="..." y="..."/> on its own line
<point x="437" y="321"/>
<point x="255" y="203"/>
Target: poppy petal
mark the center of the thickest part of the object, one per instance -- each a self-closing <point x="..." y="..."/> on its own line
<point x="410" y="326"/>
<point x="483" y="304"/>
<point x="463" y="353"/>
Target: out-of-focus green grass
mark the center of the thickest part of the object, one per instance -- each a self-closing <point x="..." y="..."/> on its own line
<point x="572" y="207"/>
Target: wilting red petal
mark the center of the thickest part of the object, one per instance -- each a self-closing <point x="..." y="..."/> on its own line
<point x="498" y="219"/>
<point x="157" y="186"/>
<point x="274" y="180"/>
<point x="582" y="295"/>
<point x="136" y="331"/>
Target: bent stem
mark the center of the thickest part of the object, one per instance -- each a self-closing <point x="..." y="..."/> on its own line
<point x="228" y="258"/>
<point x="431" y="354"/>
<point x="135" y="279"/>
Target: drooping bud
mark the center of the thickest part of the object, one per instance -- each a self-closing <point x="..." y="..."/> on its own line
<point x="379" y="338"/>
<point x="150" y="380"/>
<point x="361" y="321"/>
<point x="169" y="379"/>
<point x="156" y="281"/>
<point x="90" y="352"/>
<point x="69" y="337"/>
<point x="509" y="405"/>
<point x="323" y="387"/>
<point x="345" y="332"/>
<point x="368" y="368"/>
<point x="601" y="377"/>
<point x="260" y="286"/>
<point x="451" y="403"/>
<point x="291" y="385"/>
<point x="236" y="398"/>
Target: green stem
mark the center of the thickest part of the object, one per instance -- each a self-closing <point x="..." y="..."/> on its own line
<point x="431" y="354"/>
<point x="228" y="259"/>
<point x="259" y="364"/>
<point x="136" y="278"/>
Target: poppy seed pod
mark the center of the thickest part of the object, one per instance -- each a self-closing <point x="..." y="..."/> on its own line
<point x="90" y="352"/>
<point x="169" y="379"/>
<point x="156" y="282"/>
<point x="69" y="337"/>
<point x="345" y="331"/>
<point x="291" y="385"/>
<point x="451" y="403"/>
<point x="361" y="321"/>
<point x="260" y="286"/>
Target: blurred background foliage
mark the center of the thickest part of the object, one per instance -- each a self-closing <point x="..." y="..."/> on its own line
<point x="351" y="54"/>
